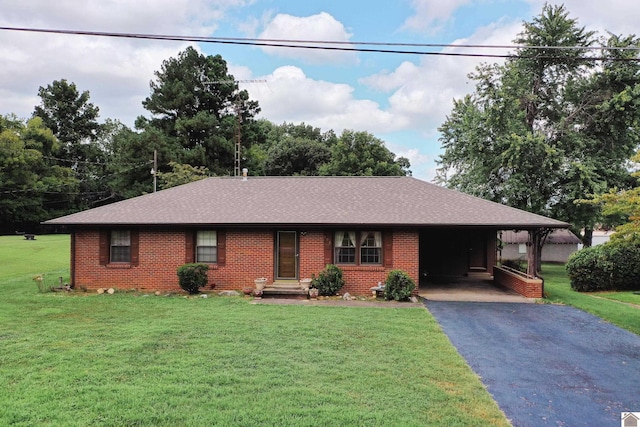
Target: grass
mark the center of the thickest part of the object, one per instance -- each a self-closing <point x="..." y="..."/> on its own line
<point x="128" y="359"/>
<point x="613" y="307"/>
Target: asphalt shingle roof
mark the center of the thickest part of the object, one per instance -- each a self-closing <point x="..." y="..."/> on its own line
<point x="310" y="201"/>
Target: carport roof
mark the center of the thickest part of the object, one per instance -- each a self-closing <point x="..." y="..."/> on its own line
<point x="322" y="201"/>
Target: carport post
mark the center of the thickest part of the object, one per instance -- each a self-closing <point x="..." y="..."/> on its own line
<point x="532" y="253"/>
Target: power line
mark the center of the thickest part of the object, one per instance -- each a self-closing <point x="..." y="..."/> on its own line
<point x="345" y="46"/>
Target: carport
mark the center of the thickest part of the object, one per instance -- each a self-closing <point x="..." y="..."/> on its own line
<point x="476" y="288"/>
<point x="459" y="263"/>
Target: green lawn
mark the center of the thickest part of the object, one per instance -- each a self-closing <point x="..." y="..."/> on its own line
<point x="128" y="359"/>
<point x="611" y="306"/>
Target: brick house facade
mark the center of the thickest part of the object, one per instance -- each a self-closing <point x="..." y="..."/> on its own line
<point x="246" y="255"/>
<point x="288" y="228"/>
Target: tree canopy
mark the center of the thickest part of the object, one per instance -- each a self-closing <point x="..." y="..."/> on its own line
<point x="547" y="127"/>
<point x="64" y="160"/>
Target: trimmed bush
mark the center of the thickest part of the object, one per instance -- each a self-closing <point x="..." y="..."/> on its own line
<point x="613" y="266"/>
<point x="517" y="264"/>
<point x="329" y="281"/>
<point x="398" y="286"/>
<point x="192" y="277"/>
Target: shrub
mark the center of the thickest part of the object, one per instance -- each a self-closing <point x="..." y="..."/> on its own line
<point x="329" y="281"/>
<point x="192" y="277"/>
<point x="517" y="264"/>
<point x="398" y="286"/>
<point x="609" y="267"/>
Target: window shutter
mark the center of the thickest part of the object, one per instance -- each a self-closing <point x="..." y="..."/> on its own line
<point x="222" y="247"/>
<point x="104" y="247"/>
<point x="189" y="243"/>
<point x="135" y="247"/>
<point x="387" y="248"/>
<point x="328" y="249"/>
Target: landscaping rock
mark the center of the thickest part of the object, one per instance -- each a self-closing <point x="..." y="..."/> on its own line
<point x="157" y="293"/>
<point x="100" y="291"/>
<point x="229" y="293"/>
<point x="346" y="296"/>
<point x="204" y="296"/>
<point x="413" y="299"/>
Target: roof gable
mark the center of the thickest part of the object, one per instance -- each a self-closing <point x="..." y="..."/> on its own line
<point x="309" y="200"/>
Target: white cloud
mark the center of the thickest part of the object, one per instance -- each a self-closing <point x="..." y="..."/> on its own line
<point x="289" y="95"/>
<point x="140" y="16"/>
<point x="616" y="16"/>
<point x="320" y="27"/>
<point x="421" y="94"/>
<point x="431" y="15"/>
<point x="115" y="71"/>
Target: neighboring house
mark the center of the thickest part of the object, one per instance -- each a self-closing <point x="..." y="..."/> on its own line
<point x="601" y="236"/>
<point x="288" y="228"/>
<point x="557" y="247"/>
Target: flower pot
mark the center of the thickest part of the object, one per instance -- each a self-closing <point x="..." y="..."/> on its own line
<point x="305" y="283"/>
<point x="260" y="283"/>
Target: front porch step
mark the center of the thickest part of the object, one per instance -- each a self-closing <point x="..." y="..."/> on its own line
<point x="284" y="292"/>
<point x="285" y="284"/>
<point x="284" y="289"/>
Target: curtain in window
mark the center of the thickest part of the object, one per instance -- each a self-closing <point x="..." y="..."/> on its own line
<point x="207" y="238"/>
<point x="120" y="238"/>
<point x="206" y="246"/>
<point x="346" y="239"/>
<point x="376" y="236"/>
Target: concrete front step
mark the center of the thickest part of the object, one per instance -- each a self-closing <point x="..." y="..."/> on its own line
<point x="284" y="292"/>
<point x="285" y="284"/>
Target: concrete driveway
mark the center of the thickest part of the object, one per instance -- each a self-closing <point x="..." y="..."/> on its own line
<point x="471" y="289"/>
<point x="546" y="364"/>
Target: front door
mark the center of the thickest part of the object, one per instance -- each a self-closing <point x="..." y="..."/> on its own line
<point x="478" y="252"/>
<point x="287" y="255"/>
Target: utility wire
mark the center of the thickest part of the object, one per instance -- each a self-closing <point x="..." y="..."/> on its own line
<point x="344" y="46"/>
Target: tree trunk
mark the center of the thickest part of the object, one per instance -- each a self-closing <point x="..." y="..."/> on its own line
<point x="587" y="238"/>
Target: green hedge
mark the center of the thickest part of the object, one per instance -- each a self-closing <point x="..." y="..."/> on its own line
<point x="192" y="277"/>
<point x="614" y="266"/>
<point x="398" y="286"/>
<point x="329" y="281"/>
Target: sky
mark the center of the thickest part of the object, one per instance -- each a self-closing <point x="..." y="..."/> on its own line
<point x="400" y="98"/>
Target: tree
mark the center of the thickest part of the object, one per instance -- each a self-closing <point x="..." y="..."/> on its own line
<point x="195" y="102"/>
<point x="546" y="128"/>
<point x="73" y="120"/>
<point x="31" y="189"/>
<point x="131" y="159"/>
<point x="360" y="153"/>
<point x="181" y="174"/>
<point x="296" y="156"/>
<point x="621" y="208"/>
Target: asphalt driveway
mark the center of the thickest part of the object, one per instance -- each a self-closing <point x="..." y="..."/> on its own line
<point x="546" y="364"/>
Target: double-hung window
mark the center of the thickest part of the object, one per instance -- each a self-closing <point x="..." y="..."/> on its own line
<point x="364" y="248"/>
<point x="207" y="246"/>
<point x="371" y="247"/>
<point x="345" y="247"/>
<point x="120" y="250"/>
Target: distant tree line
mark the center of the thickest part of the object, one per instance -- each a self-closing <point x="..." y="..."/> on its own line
<point x="63" y="160"/>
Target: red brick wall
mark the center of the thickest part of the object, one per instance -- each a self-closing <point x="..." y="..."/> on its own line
<point x="530" y="288"/>
<point x="360" y="279"/>
<point x="249" y="255"/>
